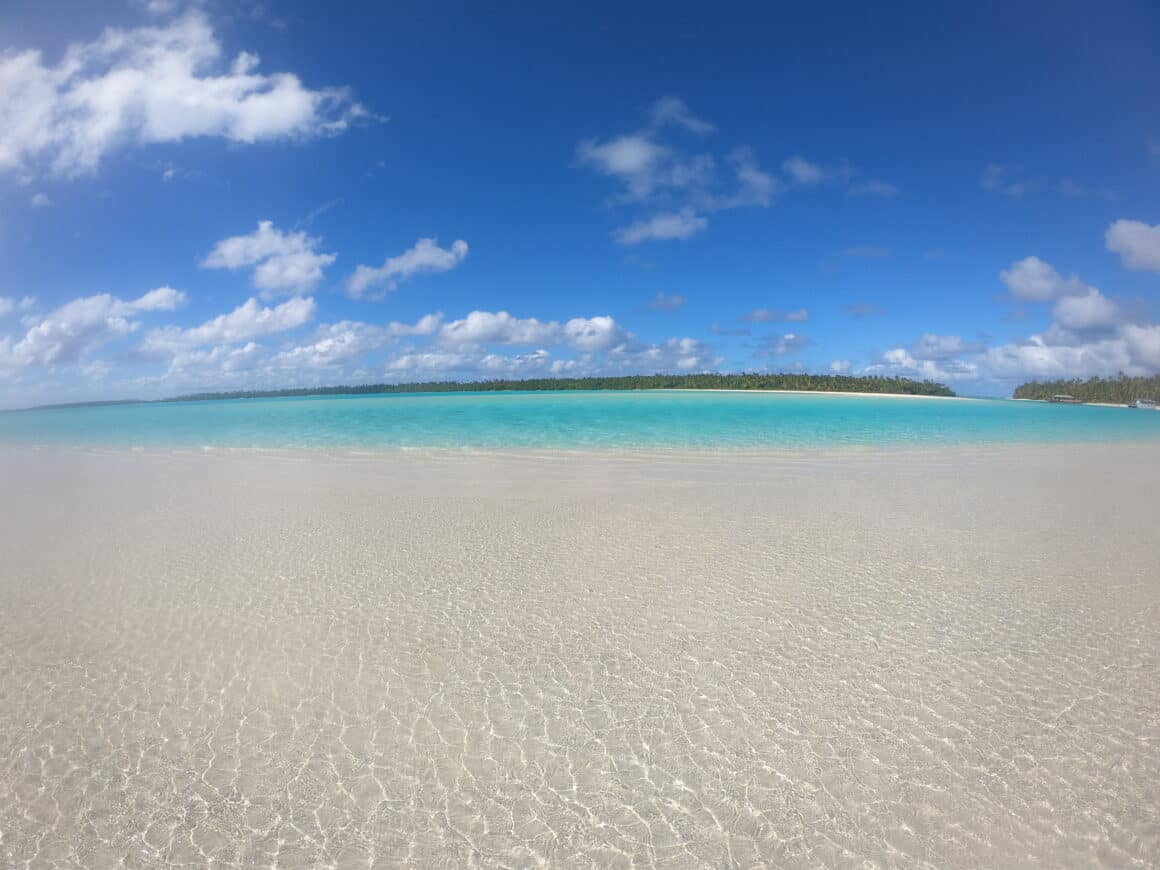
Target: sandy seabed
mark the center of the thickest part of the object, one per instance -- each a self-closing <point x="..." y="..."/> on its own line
<point x="946" y="658"/>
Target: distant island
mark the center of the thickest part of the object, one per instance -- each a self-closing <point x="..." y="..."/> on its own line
<point x="796" y="382"/>
<point x="1113" y="391"/>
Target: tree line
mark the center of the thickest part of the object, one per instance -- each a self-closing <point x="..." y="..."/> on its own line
<point x="746" y="381"/>
<point x="1121" y="390"/>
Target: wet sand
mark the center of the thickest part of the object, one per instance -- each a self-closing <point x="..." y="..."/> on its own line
<point x="947" y="659"/>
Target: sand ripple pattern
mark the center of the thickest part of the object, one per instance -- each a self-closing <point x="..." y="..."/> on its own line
<point x="946" y="659"/>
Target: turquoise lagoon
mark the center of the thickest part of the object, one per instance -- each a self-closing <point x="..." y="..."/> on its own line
<point x="576" y="420"/>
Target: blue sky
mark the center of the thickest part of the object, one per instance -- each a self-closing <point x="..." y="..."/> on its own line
<point x="228" y="196"/>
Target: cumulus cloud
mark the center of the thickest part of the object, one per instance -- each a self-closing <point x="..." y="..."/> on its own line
<point x="663" y="226"/>
<point x="417" y="363"/>
<point x="1033" y="280"/>
<point x="592" y="334"/>
<point x="1036" y="359"/>
<point x="767" y="315"/>
<point x="498" y="327"/>
<point x="81" y="326"/>
<point x="226" y="359"/>
<point x="334" y="344"/>
<point x="1143" y="343"/>
<point x="249" y="320"/>
<point x="587" y="334"/>
<point x="1091" y="311"/>
<point x="1137" y="243"/>
<point x="147" y="85"/>
<point x="672" y="355"/>
<point x="633" y="159"/>
<point x="840" y="366"/>
<point x="666" y="301"/>
<point x="371" y="282"/>
<point x="901" y="363"/>
<point x="40" y="200"/>
<point x="283" y="262"/>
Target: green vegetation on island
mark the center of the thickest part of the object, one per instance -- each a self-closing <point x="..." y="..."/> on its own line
<point x="1113" y="391"/>
<point x="791" y="381"/>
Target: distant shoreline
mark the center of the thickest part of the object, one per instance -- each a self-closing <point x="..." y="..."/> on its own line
<point x="846" y="385"/>
<point x="804" y="393"/>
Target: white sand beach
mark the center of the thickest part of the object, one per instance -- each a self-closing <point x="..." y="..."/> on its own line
<point x="946" y="658"/>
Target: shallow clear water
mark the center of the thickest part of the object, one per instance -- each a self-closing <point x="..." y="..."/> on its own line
<point x="576" y="420"/>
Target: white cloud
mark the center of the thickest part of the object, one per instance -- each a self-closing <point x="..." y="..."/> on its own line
<point x="679" y="188"/>
<point x="633" y="159"/>
<point x="424" y="256"/>
<point x="840" y="366"/>
<point x="591" y="334"/>
<point x="499" y="327"/>
<point x="249" y="320"/>
<point x="334" y="344"/>
<point x="1091" y="311"/>
<point x="520" y="365"/>
<point x="147" y="85"/>
<point x="40" y="200"/>
<point x="225" y="359"/>
<point x="284" y="262"/>
<point x="1035" y="359"/>
<point x="663" y="226"/>
<point x="444" y="364"/>
<point x="900" y="362"/>
<point x="666" y="301"/>
<point x="998" y="179"/>
<point x="755" y="187"/>
<point x="1137" y="243"/>
<point x="767" y="315"/>
<point x="586" y="334"/>
<point x="674" y="354"/>
<point x="81" y="326"/>
<point x="672" y="110"/>
<point x="1143" y="344"/>
<point x="873" y="187"/>
<point x="1033" y="280"/>
<point x="419" y="363"/>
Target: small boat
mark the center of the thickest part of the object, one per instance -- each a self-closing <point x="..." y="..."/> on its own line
<point x="1143" y="403"/>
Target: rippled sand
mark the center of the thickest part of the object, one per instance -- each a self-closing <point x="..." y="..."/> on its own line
<point x="943" y="659"/>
